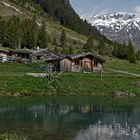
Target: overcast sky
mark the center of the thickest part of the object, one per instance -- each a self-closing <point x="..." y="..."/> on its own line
<point x="90" y="7"/>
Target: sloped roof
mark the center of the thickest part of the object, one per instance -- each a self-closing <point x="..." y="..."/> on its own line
<point x="2" y="50"/>
<point x="42" y="51"/>
<point x="76" y="56"/>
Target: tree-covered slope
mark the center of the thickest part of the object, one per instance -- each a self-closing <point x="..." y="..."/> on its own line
<point x="62" y="11"/>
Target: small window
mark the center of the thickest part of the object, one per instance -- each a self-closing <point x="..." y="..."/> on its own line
<point x="77" y="62"/>
<point x="38" y="57"/>
<point x="95" y="63"/>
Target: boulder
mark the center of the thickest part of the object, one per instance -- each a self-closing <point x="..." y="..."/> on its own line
<point x="137" y="84"/>
<point x="123" y="94"/>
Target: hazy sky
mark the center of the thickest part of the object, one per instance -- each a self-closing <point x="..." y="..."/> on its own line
<point x="88" y="7"/>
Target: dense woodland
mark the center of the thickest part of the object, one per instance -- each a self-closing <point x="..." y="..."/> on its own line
<point x="19" y="32"/>
<point x="62" y="12"/>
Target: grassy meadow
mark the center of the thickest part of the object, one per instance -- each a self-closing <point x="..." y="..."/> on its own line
<point x="14" y="81"/>
<point x="123" y="65"/>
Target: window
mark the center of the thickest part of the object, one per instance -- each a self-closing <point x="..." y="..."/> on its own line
<point x="77" y="62"/>
<point x="38" y="57"/>
<point x="95" y="63"/>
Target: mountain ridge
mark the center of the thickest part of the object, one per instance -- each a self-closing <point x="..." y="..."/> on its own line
<point x="118" y="26"/>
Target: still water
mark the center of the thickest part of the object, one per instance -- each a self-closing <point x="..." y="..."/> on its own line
<point x="71" y="118"/>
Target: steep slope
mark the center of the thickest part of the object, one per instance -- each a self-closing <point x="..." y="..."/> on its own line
<point x="76" y="29"/>
<point x="9" y="8"/>
<point x="118" y="26"/>
<point x="62" y="11"/>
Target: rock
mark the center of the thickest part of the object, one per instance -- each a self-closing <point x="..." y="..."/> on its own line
<point x="122" y="94"/>
<point x="137" y="84"/>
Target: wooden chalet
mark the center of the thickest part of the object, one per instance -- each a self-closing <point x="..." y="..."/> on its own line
<point x="78" y="62"/>
<point x="26" y="55"/>
<point x="4" y="55"/>
<point x="21" y="55"/>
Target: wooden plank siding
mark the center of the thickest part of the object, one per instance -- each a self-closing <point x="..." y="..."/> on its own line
<point x="81" y="62"/>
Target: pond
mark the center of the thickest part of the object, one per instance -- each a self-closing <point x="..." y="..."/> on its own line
<point x="71" y="118"/>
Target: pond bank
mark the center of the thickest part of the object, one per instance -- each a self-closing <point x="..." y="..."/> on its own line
<point x="15" y="82"/>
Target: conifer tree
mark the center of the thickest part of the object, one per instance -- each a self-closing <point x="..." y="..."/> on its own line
<point x="10" y="36"/>
<point x="138" y="55"/>
<point x="115" y="51"/>
<point x="2" y="30"/>
<point x="42" y="36"/>
<point x="131" y="56"/>
<point x="63" y="38"/>
<point x="102" y="48"/>
<point x="89" y="46"/>
<point x="56" y="49"/>
<point x="65" y="50"/>
<point x="29" y="34"/>
<point x="70" y="50"/>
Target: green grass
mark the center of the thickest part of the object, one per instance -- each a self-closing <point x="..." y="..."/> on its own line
<point x="123" y="65"/>
<point x="6" y="11"/>
<point x="91" y="84"/>
<point x="69" y="32"/>
<point x="11" y="136"/>
<point x="13" y="80"/>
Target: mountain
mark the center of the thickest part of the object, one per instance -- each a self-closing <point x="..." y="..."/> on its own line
<point x="118" y="26"/>
<point x="58" y="15"/>
<point x="25" y="9"/>
<point x="62" y="11"/>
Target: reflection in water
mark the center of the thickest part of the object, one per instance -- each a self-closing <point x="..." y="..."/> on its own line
<point x="114" y="131"/>
<point x="51" y="120"/>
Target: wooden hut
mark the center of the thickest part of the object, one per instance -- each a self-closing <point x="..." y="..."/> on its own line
<point x="21" y="55"/>
<point x="78" y="62"/>
<point x="4" y="55"/>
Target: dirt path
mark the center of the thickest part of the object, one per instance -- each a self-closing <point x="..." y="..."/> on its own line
<point x="125" y="72"/>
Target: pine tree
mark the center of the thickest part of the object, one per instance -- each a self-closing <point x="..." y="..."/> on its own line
<point x="70" y="50"/>
<point x="54" y="41"/>
<point x="131" y="56"/>
<point x="102" y="48"/>
<point x="115" y="51"/>
<point x="65" y="50"/>
<point x="42" y="36"/>
<point x="56" y="49"/>
<point x="10" y="36"/>
<point x="2" y="30"/>
<point x="89" y="46"/>
<point x="29" y="34"/>
<point x="63" y="39"/>
<point x="138" y="55"/>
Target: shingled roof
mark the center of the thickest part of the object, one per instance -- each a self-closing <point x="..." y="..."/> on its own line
<point x="76" y="56"/>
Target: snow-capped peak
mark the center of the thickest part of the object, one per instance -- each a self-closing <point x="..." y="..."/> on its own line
<point x="114" y="24"/>
<point x="119" y="18"/>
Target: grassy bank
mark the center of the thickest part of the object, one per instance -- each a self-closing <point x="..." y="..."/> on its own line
<point x="11" y="136"/>
<point x="13" y="81"/>
<point x="123" y="65"/>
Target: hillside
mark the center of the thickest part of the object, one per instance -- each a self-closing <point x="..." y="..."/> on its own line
<point x="54" y="29"/>
<point x="62" y="11"/>
<point x="6" y="10"/>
